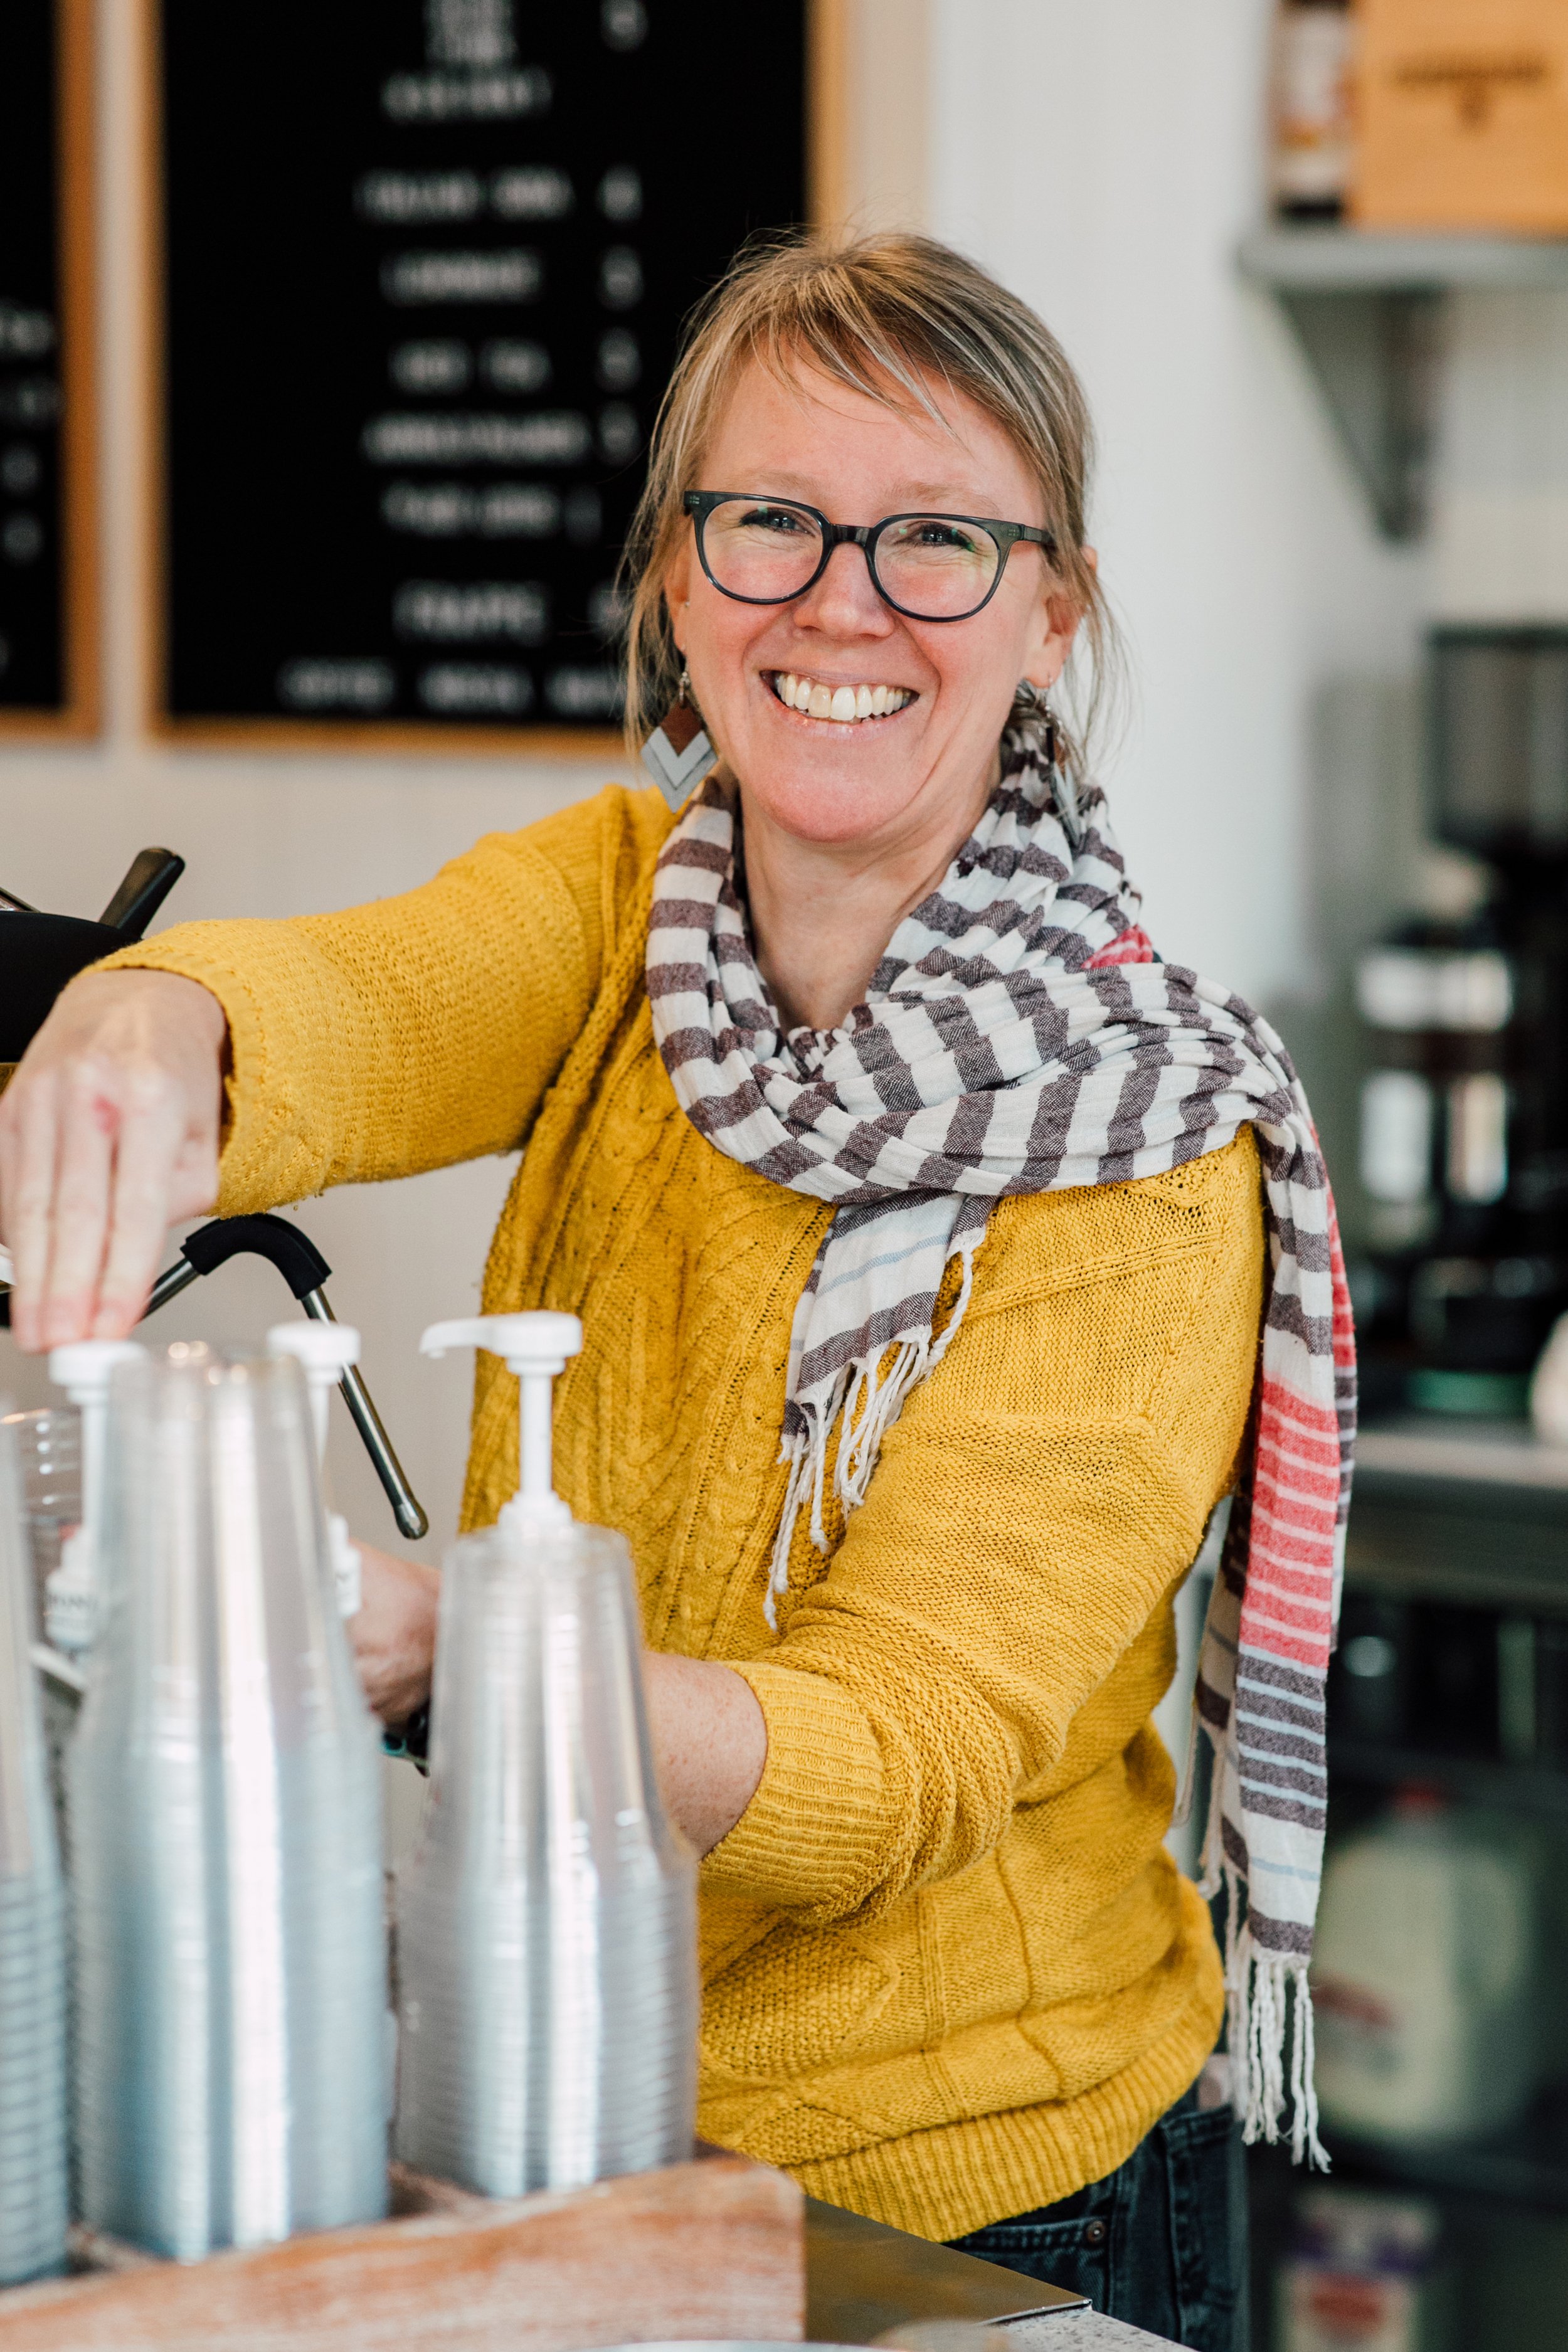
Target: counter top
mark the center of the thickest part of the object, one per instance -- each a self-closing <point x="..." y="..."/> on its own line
<point x="863" y="2278"/>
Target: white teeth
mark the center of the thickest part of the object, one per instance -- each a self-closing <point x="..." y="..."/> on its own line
<point x="843" y="703"/>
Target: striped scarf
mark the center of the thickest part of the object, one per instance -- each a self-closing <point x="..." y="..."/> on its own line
<point x="1020" y="1035"/>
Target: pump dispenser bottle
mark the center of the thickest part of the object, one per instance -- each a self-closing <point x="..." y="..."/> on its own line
<point x="323" y="1353"/>
<point x="547" y="1920"/>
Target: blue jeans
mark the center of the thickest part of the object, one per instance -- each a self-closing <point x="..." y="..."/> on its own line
<point x="1160" y="2242"/>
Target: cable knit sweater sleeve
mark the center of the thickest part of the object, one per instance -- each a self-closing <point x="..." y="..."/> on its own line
<point x="1036" y="1499"/>
<point x="416" y="1031"/>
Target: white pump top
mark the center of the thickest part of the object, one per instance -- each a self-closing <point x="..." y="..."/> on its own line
<point x="324" y="1353"/>
<point x="534" y="1347"/>
<point x="83" y="1370"/>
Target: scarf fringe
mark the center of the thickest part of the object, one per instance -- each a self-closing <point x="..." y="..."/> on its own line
<point x="1258" y="1990"/>
<point x="863" y="1403"/>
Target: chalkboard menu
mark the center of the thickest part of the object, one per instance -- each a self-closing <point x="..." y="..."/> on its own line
<point x="46" y="652"/>
<point x="426" y="263"/>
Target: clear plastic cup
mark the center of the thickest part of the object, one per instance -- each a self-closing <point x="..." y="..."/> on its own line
<point x="32" y="2180"/>
<point x="546" y="1919"/>
<point x="49" y="1447"/>
<point x="226" y="1820"/>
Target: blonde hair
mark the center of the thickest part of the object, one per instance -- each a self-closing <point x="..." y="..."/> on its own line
<point x="891" y="316"/>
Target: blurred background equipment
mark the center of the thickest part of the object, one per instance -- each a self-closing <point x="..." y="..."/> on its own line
<point x="1426" y="1976"/>
<point x="1464" y="1125"/>
<point x="1425" y="273"/>
<point x="1364" y="2274"/>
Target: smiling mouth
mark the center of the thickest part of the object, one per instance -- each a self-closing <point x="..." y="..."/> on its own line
<point x="847" y="705"/>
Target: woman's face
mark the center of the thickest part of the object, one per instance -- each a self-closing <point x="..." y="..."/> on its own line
<point x="876" y="781"/>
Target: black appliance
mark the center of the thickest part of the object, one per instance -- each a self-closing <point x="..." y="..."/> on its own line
<point x="39" y="953"/>
<point x="1465" y="1110"/>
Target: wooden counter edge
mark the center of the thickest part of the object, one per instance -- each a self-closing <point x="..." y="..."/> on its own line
<point x="711" y="2249"/>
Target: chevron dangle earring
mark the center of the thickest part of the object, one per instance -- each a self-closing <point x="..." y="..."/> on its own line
<point x="1032" y="705"/>
<point x="678" y="753"/>
<point x="1032" y="711"/>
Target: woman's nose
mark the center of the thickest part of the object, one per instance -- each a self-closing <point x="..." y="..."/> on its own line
<point x="844" y="603"/>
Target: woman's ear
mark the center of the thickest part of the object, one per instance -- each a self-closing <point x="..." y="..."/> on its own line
<point x="677" y="583"/>
<point x="1050" y="641"/>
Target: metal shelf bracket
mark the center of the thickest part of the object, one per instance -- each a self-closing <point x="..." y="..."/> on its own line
<point x="1366" y="308"/>
<point x="1373" y="353"/>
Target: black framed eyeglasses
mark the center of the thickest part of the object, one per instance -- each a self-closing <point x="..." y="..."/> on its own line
<point x="929" y="567"/>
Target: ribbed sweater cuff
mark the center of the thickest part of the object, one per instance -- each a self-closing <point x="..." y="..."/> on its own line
<point x="816" y="1834"/>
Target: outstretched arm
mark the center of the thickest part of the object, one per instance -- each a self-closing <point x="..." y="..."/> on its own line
<point x="370" y="1043"/>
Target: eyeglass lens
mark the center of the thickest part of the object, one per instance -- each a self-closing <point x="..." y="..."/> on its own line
<point x="928" y="565"/>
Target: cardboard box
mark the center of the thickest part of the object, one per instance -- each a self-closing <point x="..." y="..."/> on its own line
<point x="1462" y="116"/>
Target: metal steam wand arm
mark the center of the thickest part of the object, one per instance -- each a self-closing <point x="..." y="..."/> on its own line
<point x="306" y="1272"/>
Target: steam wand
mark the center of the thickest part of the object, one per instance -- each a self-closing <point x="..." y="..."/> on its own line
<point x="306" y="1272"/>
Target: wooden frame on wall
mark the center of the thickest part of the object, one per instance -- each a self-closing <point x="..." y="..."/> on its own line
<point x="79" y="711"/>
<point x="826" y="181"/>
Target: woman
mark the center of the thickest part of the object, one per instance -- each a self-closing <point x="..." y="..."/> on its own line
<point x="913" y="1214"/>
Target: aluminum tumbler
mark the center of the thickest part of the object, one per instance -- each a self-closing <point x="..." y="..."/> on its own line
<point x="546" y="1920"/>
<point x="226" y="1823"/>
<point x="33" y="2195"/>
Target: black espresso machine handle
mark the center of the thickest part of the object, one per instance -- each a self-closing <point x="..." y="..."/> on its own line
<point x="306" y="1272"/>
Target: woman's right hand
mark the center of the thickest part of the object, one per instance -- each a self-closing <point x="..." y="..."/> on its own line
<point x="394" y="1634"/>
<point x="109" y="1135"/>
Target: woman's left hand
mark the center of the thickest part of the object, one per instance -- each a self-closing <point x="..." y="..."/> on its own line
<point x="393" y="1635"/>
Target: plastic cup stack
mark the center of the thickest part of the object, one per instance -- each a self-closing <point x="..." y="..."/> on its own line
<point x="546" y="1921"/>
<point x="49" y="1447"/>
<point x="33" y="2194"/>
<point x="224" y="1804"/>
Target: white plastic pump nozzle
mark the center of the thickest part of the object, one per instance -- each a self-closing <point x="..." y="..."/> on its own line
<point x="71" y="1593"/>
<point x="534" y="1347"/>
<point x="324" y="1353"/>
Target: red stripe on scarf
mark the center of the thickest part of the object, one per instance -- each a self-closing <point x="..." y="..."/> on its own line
<point x="1130" y="946"/>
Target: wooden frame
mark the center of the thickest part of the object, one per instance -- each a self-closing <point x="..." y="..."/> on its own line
<point x="828" y="61"/>
<point x="80" y="710"/>
<point x="826" y="184"/>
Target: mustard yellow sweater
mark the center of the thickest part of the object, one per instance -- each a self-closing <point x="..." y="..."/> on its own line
<point x="950" y="1972"/>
